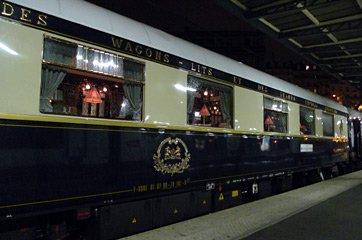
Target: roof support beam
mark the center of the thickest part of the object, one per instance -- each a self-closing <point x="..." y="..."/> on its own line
<point x="311" y="17"/>
<point x="284" y="6"/>
<point x="339" y="62"/>
<point x="263" y="20"/>
<point x="333" y="49"/>
<point x="341" y="57"/>
<point x="239" y="4"/>
<point x="347" y="71"/>
<point x="359" y="2"/>
<point x="357" y="74"/>
<point x="273" y="4"/>
<point x="326" y="23"/>
<point x="352" y="40"/>
<point x="350" y="23"/>
<point x="348" y="67"/>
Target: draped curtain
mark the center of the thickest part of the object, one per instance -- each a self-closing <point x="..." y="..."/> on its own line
<point x="190" y="102"/>
<point x="193" y="83"/>
<point x="51" y="79"/>
<point x="133" y="95"/>
<point x="225" y="104"/>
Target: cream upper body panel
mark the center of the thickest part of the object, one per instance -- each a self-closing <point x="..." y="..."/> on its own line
<point x="248" y="110"/>
<point x="318" y="123"/>
<point x="293" y="119"/>
<point x="20" y="83"/>
<point x="165" y="104"/>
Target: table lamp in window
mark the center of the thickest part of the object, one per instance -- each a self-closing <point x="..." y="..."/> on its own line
<point x="93" y="96"/>
<point x="92" y="102"/>
<point x="204" y="112"/>
<point x="268" y="122"/>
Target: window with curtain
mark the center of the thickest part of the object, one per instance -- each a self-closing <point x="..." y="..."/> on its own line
<point x="275" y="115"/>
<point x="209" y="103"/>
<point x="328" y="124"/>
<point x="84" y="81"/>
<point x="306" y="120"/>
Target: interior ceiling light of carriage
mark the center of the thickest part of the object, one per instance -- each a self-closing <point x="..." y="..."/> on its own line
<point x="326" y="32"/>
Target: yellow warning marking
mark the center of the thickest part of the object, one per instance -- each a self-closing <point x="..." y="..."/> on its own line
<point x="235" y="193"/>
<point x="134" y="220"/>
<point x="175" y="211"/>
<point x="221" y="197"/>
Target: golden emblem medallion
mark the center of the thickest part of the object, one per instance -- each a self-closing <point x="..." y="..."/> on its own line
<point x="172" y="156"/>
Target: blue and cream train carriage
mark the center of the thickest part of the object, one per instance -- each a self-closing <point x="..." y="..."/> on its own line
<point x="110" y="127"/>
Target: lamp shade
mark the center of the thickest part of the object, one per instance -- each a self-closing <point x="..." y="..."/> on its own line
<point x="204" y="111"/>
<point x="268" y="121"/>
<point x="93" y="96"/>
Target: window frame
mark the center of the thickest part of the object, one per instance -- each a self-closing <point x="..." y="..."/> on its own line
<point x="218" y="87"/>
<point x="314" y="118"/>
<point x="323" y="127"/>
<point x="285" y="112"/>
<point x="72" y="69"/>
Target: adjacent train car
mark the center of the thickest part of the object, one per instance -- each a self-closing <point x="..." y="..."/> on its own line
<point x="355" y="138"/>
<point x="110" y="127"/>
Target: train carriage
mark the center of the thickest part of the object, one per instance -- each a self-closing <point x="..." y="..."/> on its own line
<point x="355" y="138"/>
<point x="110" y="127"/>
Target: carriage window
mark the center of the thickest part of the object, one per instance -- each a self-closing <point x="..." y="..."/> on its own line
<point x="328" y="124"/>
<point x="306" y="120"/>
<point x="208" y="103"/>
<point x="78" y="80"/>
<point x="275" y="115"/>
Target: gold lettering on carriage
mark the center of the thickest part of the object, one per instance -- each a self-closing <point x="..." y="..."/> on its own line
<point x="287" y="96"/>
<point x="237" y="80"/>
<point x="310" y="104"/>
<point x="331" y="110"/>
<point x="25" y="15"/>
<point x="201" y="69"/>
<point x="262" y="88"/>
<point x="137" y="49"/>
<point x="172" y="156"/>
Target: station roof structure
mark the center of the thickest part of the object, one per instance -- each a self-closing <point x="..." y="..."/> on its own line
<point x="327" y="33"/>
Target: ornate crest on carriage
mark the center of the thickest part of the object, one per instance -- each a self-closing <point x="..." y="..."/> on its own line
<point x="172" y="156"/>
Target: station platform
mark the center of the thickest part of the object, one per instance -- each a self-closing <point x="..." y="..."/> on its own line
<point x="330" y="209"/>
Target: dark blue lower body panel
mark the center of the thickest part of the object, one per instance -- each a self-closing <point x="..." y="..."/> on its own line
<point x="51" y="166"/>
